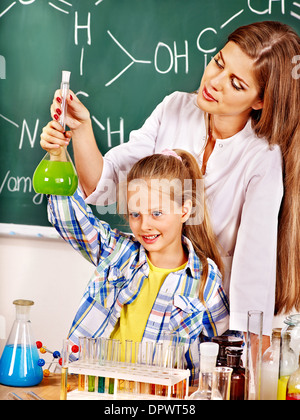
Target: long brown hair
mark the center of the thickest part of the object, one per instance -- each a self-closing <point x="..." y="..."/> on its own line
<point x="187" y="172"/>
<point x="274" y="47"/>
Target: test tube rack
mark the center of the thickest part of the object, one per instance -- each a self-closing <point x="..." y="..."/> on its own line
<point x="168" y="378"/>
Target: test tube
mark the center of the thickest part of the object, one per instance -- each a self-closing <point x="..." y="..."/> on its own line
<point x="64" y="369"/>
<point x="180" y="388"/>
<point x="64" y="93"/>
<point x="144" y="359"/>
<point x="82" y="357"/>
<point x="91" y="361"/>
<point x="158" y="362"/>
<point x="13" y="396"/>
<point x="113" y="357"/>
<point x="170" y="342"/>
<point x="128" y="385"/>
<point x="101" y="345"/>
<point x="253" y="355"/>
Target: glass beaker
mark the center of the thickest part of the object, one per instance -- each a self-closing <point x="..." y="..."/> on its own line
<point x="56" y="173"/>
<point x="19" y="364"/>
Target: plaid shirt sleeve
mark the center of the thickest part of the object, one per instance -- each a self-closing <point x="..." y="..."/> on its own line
<point x="216" y="317"/>
<point x="76" y="224"/>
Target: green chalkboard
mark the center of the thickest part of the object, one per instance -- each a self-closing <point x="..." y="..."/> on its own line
<point x="124" y="56"/>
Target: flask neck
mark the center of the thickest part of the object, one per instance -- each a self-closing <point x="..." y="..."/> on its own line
<point x="22" y="313"/>
<point x="205" y="381"/>
<point x="59" y="155"/>
<point x="23" y="309"/>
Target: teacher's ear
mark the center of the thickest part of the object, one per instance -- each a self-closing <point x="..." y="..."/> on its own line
<point x="259" y="104"/>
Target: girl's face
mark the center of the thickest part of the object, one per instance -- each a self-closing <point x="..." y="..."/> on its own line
<point x="228" y="86"/>
<point x="155" y="220"/>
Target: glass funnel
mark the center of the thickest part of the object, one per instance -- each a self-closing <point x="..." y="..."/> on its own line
<point x="56" y="174"/>
<point x="19" y="364"/>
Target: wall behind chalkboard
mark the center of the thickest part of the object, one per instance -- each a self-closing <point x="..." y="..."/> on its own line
<point x="124" y="55"/>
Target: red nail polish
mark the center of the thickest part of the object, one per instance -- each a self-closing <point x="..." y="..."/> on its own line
<point x="56" y="117"/>
<point x="58" y="99"/>
<point x="71" y="97"/>
<point x="58" y="111"/>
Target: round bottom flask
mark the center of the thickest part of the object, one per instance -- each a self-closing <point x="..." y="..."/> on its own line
<point x="55" y="175"/>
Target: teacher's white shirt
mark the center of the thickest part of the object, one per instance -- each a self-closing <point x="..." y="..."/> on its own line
<point x="244" y="188"/>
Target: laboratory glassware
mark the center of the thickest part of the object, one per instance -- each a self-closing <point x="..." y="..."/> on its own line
<point x="92" y="359"/>
<point x="20" y="365"/>
<point x="270" y="367"/>
<point x="113" y="354"/>
<point x="225" y="341"/>
<point x="83" y="358"/>
<point x="56" y="173"/>
<point x="65" y="359"/>
<point x="237" y="388"/>
<point x="293" y="386"/>
<point x="145" y="350"/>
<point x="253" y="355"/>
<point x="221" y="383"/>
<point x="208" y="359"/>
<point x="101" y="344"/>
<point x="289" y="352"/>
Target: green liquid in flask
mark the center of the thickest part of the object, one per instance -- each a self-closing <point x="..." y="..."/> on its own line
<point x="55" y="178"/>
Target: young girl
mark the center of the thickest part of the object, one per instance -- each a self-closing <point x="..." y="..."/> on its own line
<point x="164" y="277"/>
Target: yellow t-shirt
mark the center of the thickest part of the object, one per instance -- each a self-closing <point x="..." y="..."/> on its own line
<point x="133" y="317"/>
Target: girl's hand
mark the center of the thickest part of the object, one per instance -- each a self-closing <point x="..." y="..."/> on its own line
<point x="53" y="137"/>
<point x="77" y="114"/>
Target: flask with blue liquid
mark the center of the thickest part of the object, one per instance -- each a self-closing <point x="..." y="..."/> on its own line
<point x="20" y="365"/>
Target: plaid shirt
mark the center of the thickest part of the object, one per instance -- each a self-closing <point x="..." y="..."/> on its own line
<point x="121" y="270"/>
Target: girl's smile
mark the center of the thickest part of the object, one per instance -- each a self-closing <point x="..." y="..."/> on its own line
<point x="150" y="239"/>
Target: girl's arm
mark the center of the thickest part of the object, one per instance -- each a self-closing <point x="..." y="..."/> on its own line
<point x="76" y="224"/>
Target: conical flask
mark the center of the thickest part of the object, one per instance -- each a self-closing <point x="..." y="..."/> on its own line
<point x="19" y="364"/>
<point x="56" y="174"/>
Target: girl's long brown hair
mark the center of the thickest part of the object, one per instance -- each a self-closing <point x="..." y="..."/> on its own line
<point x="187" y="172"/>
<point x="275" y="49"/>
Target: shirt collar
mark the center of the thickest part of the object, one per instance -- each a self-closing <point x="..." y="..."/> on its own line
<point x="194" y="264"/>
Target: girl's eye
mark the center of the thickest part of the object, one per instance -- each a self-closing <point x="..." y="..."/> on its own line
<point x="157" y="213"/>
<point x="134" y="214"/>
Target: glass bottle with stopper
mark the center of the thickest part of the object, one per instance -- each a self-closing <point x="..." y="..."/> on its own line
<point x="208" y="358"/>
<point x="20" y="365"/>
<point x="56" y="173"/>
